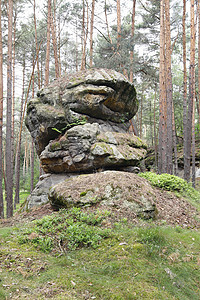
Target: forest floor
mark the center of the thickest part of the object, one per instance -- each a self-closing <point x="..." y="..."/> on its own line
<point x="137" y="259"/>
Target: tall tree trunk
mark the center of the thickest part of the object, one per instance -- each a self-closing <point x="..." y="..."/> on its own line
<point x="1" y="121"/>
<point x="36" y="43"/>
<point x="141" y="112"/>
<point x="118" y="25"/>
<point x="46" y="80"/>
<point x="18" y="152"/>
<point x="59" y="45"/>
<point x="174" y="142"/>
<point x="193" y="145"/>
<point x="54" y="39"/>
<point x="91" y="33"/>
<point x="187" y="150"/>
<point x="192" y="93"/>
<point x="186" y="174"/>
<point x="32" y="165"/>
<point x="84" y="35"/>
<point x="199" y="62"/>
<point x="9" y="159"/>
<point x="132" y="44"/>
<point x="169" y="100"/>
<point x="154" y="129"/>
<point x="162" y="96"/>
<point x="13" y="83"/>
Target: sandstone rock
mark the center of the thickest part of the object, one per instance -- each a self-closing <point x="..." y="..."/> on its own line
<point x="40" y="193"/>
<point x="109" y="188"/>
<point x="88" y="96"/>
<point x="86" y="148"/>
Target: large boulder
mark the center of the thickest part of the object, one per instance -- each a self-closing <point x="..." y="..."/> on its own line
<point x="79" y="125"/>
<point x="110" y="189"/>
<point x="87" y="96"/>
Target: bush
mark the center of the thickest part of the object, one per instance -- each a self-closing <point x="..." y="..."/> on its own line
<point x="166" y="181"/>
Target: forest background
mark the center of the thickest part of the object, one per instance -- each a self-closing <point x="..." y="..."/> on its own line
<point x="156" y="44"/>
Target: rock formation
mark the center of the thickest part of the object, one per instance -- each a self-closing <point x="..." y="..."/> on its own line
<point x="79" y="125"/>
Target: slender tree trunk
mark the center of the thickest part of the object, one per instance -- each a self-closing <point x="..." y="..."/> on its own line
<point x="59" y="45"/>
<point x="9" y="159"/>
<point x="187" y="150"/>
<point x="32" y="165"/>
<point x="132" y="44"/>
<point x="193" y="145"/>
<point x="13" y="84"/>
<point x="91" y="33"/>
<point x="199" y="63"/>
<point x="18" y="152"/>
<point x="168" y="88"/>
<point x="186" y="174"/>
<point x="54" y="39"/>
<point x="46" y="80"/>
<point x="36" y="43"/>
<point x="162" y="97"/>
<point x="32" y="145"/>
<point x="141" y="112"/>
<point x="174" y="142"/>
<point x="118" y="25"/>
<point x="155" y="133"/>
<point x="76" y="46"/>
<point x="24" y="163"/>
<point x="1" y="121"/>
<point x="84" y="36"/>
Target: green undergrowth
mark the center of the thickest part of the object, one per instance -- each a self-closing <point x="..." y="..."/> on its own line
<point x="67" y="230"/>
<point x="128" y="262"/>
<point x="174" y="184"/>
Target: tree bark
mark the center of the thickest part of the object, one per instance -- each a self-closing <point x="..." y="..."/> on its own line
<point x="18" y="152"/>
<point x="187" y="150"/>
<point x="186" y="174"/>
<point x="1" y="121"/>
<point x="32" y="165"/>
<point x="91" y="33"/>
<point x="46" y="80"/>
<point x="9" y="158"/>
<point x="169" y="94"/>
<point x="199" y="62"/>
<point x="132" y="44"/>
<point x="118" y="25"/>
<point x="36" y="43"/>
<point x="84" y="36"/>
<point x="162" y="96"/>
<point x="54" y="39"/>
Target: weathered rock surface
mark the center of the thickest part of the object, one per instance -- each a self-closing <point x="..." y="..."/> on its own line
<point x="109" y="188"/>
<point x="79" y="125"/>
<point x="86" y="147"/>
<point x="88" y="96"/>
<point x="40" y="193"/>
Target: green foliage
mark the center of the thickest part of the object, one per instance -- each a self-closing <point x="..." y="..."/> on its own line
<point x="174" y="184"/>
<point x="166" y="181"/>
<point x="68" y="230"/>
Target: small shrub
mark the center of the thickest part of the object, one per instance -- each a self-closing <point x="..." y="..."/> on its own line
<point x="166" y="181"/>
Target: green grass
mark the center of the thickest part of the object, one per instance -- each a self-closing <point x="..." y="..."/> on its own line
<point x="143" y="262"/>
